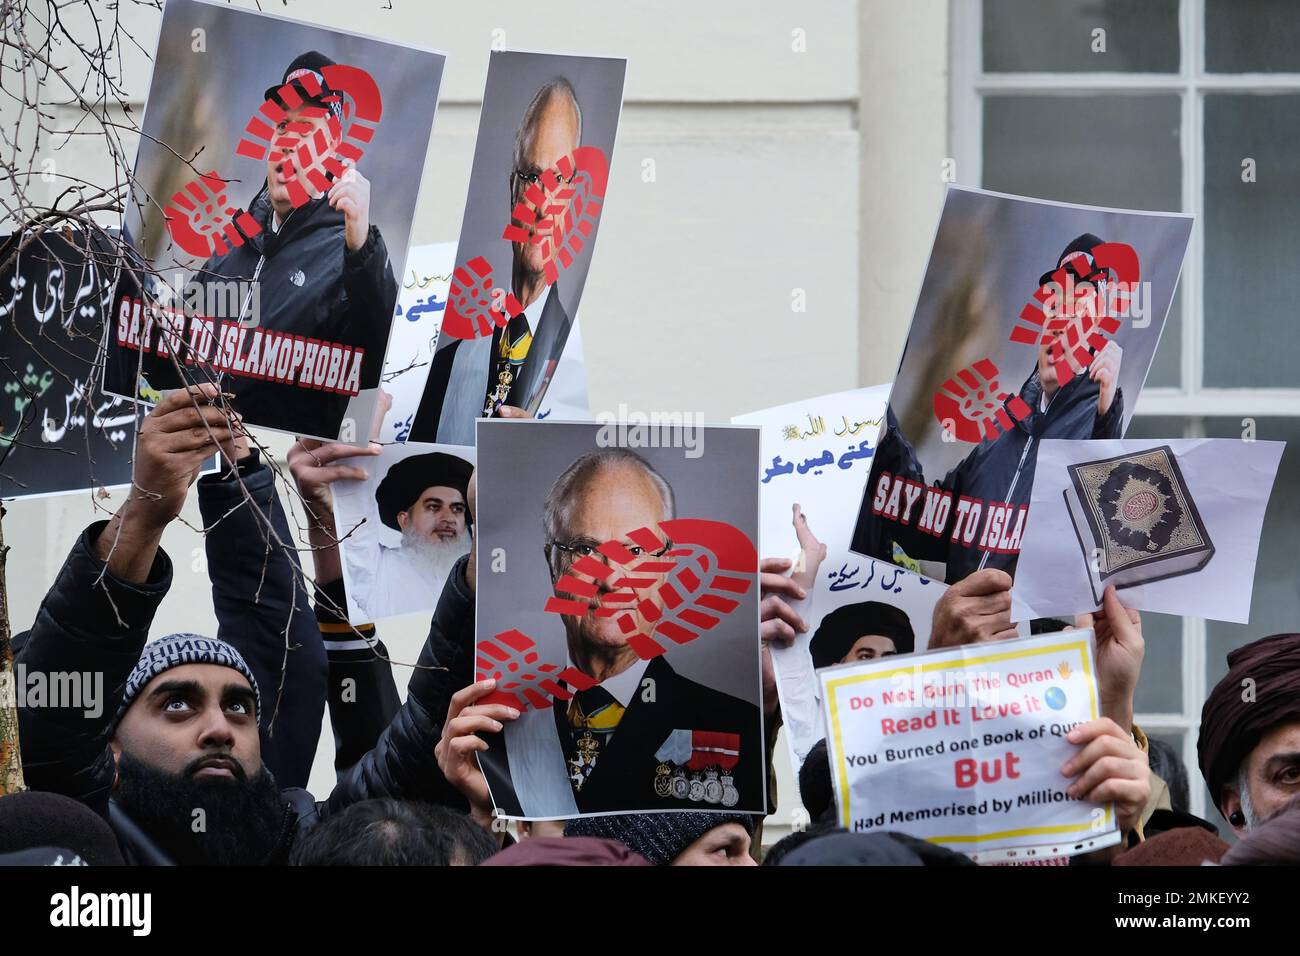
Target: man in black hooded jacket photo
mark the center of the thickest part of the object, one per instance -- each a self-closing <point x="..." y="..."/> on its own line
<point x="1001" y="469"/>
<point x="321" y="270"/>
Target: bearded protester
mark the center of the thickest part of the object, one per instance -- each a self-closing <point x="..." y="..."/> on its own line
<point x="1276" y="842"/>
<point x="1249" y="743"/>
<point x="174" y="761"/>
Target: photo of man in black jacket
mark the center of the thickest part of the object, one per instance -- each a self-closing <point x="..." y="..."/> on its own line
<point x="1001" y="469"/>
<point x="321" y="270"/>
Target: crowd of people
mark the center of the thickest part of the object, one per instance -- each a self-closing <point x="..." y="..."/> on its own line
<point x="203" y="751"/>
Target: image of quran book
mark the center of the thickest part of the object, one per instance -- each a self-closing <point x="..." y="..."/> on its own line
<point x="1135" y="520"/>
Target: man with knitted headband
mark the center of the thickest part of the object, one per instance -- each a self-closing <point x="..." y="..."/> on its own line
<point x="1249" y="744"/>
<point x="687" y="838"/>
<point x="176" y="764"/>
<point x="186" y="740"/>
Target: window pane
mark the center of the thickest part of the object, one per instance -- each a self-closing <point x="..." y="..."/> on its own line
<point x="1262" y="36"/>
<point x="1031" y="148"/>
<point x="1251" y="283"/>
<point x="1100" y="150"/>
<point x="1160" y="689"/>
<point x="1167" y="367"/>
<point x="1167" y="762"/>
<point x="1275" y="606"/>
<point x="1139" y="36"/>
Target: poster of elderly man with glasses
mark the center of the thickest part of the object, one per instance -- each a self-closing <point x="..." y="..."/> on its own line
<point x="619" y="620"/>
<point x="537" y="187"/>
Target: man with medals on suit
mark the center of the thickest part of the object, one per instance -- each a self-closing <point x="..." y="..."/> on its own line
<point x="639" y="735"/>
<point x="521" y="356"/>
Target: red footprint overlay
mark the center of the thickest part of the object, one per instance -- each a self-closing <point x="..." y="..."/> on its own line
<point x="199" y="217"/>
<point x="317" y="156"/>
<point x="470" y="312"/>
<point x="677" y="595"/>
<point x="973" y="401"/>
<point x="1085" y="323"/>
<point x="566" y="213"/>
<point x="511" y="659"/>
<point x="560" y="218"/>
<point x="202" y="221"/>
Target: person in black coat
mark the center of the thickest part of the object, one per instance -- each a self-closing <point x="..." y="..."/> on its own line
<point x="188" y="738"/>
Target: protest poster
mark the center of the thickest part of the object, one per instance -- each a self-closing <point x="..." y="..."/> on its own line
<point x="964" y="747"/>
<point x="532" y="213"/>
<point x="57" y="433"/>
<point x="567" y="399"/>
<point x="421" y="304"/>
<point x="421" y="300"/>
<point x="814" y="456"/>
<point x="617" y="596"/>
<point x="1174" y="525"/>
<point x="271" y="266"/>
<point x="1035" y="320"/>
<point x="403" y="528"/>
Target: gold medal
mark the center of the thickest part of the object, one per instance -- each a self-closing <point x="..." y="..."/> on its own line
<point x="663" y="781"/>
<point x="581" y="765"/>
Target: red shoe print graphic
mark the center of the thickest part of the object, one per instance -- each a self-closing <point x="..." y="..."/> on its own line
<point x="318" y="152"/>
<point x="1035" y="318"/>
<point x="201" y="220"/>
<point x="561" y="211"/>
<point x="1126" y="272"/>
<point x="1075" y="327"/>
<point x="1081" y="323"/>
<point x="523" y="681"/>
<point x="1072" y="352"/>
<point x="685" y="579"/>
<point x="470" y="312"/>
<point x="558" y="213"/>
<point x="972" y="400"/>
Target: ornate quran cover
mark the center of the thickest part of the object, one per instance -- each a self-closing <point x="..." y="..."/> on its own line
<point x="1135" y="514"/>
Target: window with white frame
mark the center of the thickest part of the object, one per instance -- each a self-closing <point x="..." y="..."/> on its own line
<point x="1190" y="106"/>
